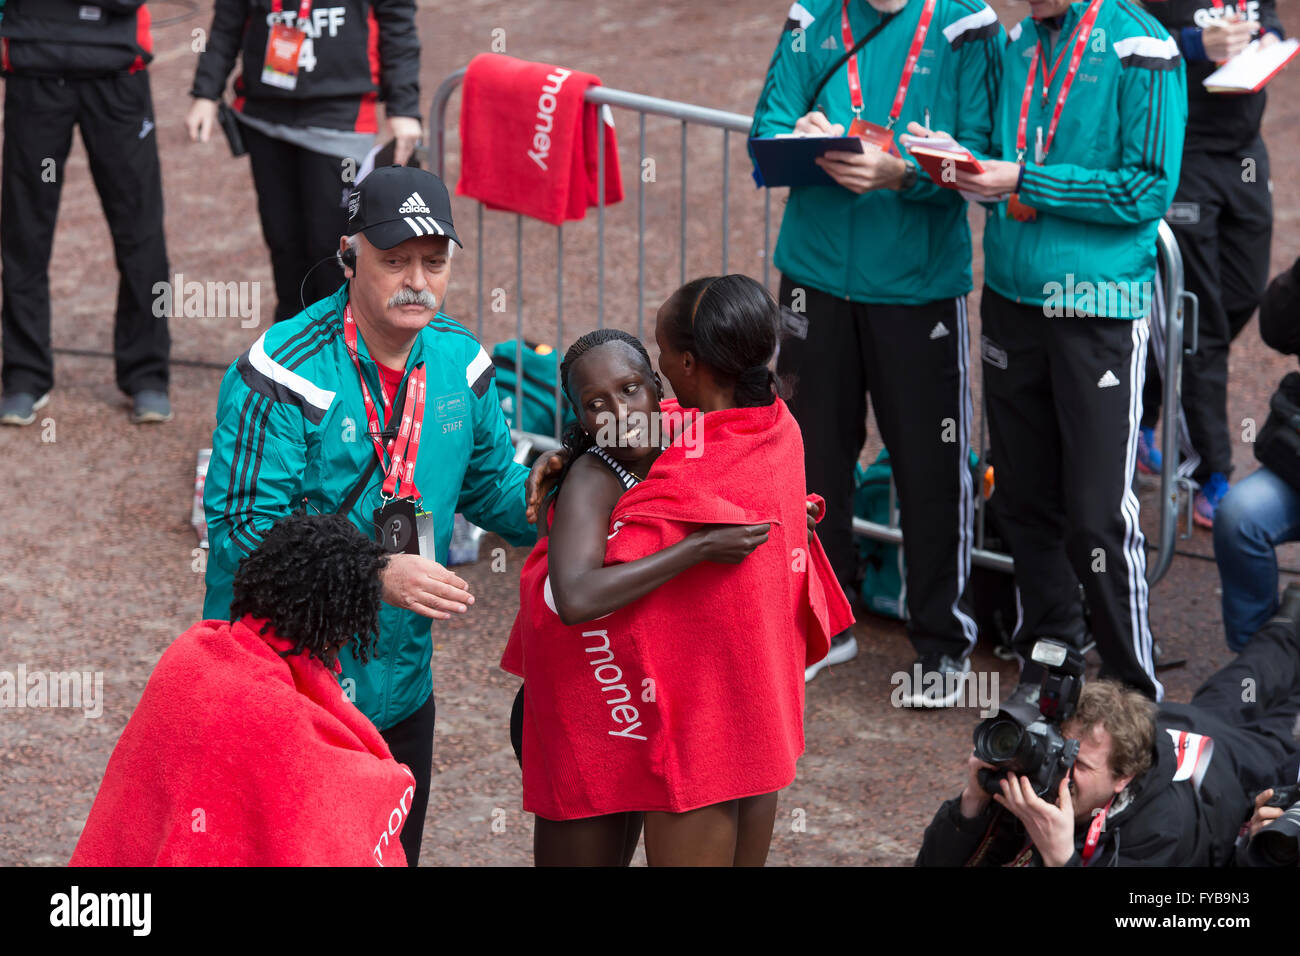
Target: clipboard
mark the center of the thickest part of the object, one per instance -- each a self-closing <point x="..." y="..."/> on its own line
<point x="788" y="160"/>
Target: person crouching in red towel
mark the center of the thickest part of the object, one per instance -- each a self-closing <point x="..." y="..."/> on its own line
<point x="684" y="702"/>
<point x="244" y="750"/>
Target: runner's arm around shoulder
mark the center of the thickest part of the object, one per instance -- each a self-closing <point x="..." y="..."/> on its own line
<point x="1151" y="122"/>
<point x="584" y="589"/>
<point x="492" y="493"/>
<point x="259" y="454"/>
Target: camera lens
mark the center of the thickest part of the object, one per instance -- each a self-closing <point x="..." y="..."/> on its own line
<point x="1000" y="741"/>
<point x="1278" y="844"/>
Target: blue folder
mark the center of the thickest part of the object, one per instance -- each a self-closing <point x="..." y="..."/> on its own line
<point x="788" y="160"/>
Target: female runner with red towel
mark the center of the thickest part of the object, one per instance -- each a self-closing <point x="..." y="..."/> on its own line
<point x="610" y="382"/>
<point x="715" y="656"/>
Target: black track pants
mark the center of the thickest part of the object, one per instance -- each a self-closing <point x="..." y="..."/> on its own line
<point x="115" y="115"/>
<point x="411" y="742"/>
<point x="914" y="362"/>
<point x="1064" y="403"/>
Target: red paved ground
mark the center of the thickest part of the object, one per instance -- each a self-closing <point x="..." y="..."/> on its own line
<point x="97" y="569"/>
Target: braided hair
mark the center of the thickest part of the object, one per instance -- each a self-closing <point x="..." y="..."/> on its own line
<point x="315" y="578"/>
<point x="731" y="324"/>
<point x="576" y="440"/>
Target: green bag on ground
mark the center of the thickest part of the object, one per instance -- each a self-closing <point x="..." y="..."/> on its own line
<point x="541" y="372"/>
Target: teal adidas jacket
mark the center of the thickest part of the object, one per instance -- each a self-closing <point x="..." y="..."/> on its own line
<point x="899" y="247"/>
<point x="292" y="429"/>
<point x="1111" y="173"/>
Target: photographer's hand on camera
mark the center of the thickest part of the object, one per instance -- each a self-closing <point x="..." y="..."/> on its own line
<point x="1050" y="826"/>
<point x="975" y="799"/>
<point x="1263" y="815"/>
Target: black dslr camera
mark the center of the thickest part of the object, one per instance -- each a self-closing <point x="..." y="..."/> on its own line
<point x="1025" y="736"/>
<point x="1278" y="844"/>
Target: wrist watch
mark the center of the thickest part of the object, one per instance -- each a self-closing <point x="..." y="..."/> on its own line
<point x="910" y="176"/>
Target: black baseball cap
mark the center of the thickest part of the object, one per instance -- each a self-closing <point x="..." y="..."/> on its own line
<point x="396" y="203"/>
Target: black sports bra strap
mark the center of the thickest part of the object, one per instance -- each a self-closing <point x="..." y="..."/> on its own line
<point x="622" y="474"/>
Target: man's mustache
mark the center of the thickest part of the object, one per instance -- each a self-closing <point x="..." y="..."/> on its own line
<point x="408" y="296"/>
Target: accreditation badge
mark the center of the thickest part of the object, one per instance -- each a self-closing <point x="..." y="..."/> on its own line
<point x="397" y="527"/>
<point x="1019" y="211"/>
<point x="424" y="534"/>
<point x="280" y="65"/>
<point x="873" y="135"/>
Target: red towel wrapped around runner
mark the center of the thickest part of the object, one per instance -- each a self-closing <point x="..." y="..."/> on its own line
<point x="693" y="694"/>
<point x="529" y="141"/>
<point x="238" y="757"/>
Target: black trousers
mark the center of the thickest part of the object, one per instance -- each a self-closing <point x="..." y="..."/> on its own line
<point x="302" y="200"/>
<point x="1223" y="218"/>
<point x="1258" y="696"/>
<point x="1064" y="401"/>
<point x="115" y="115"/>
<point x="914" y="361"/>
<point x="411" y="742"/>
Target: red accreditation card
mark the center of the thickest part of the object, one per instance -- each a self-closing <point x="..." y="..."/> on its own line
<point x="1019" y="211"/>
<point x="280" y="67"/>
<point x="873" y="135"/>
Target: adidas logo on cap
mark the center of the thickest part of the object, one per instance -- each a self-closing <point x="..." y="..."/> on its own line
<point x="414" y="203"/>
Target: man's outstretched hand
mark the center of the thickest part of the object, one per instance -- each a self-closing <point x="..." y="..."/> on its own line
<point x="415" y="583"/>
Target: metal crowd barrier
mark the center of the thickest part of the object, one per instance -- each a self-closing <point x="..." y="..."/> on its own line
<point x="728" y="123"/>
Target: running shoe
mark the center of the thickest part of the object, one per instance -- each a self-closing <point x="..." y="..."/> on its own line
<point x="150" y="406"/>
<point x="1208" y="498"/>
<point x="1150" y="461"/>
<point x="844" y="647"/>
<point x="19" y="408"/>
<point x="942" y="681"/>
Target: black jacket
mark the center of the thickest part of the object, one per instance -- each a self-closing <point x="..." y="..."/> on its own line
<point x="361" y="50"/>
<point x="1216" y="122"/>
<point x="1279" y="312"/>
<point x="75" y="38"/>
<point x="1156" y="821"/>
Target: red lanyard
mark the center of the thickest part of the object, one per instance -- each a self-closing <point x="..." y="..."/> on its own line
<point x="1237" y="5"/>
<point x="304" y="8"/>
<point x="1094" y="832"/>
<point x="405" y="448"/>
<point x="1082" y="32"/>
<point x="855" y="82"/>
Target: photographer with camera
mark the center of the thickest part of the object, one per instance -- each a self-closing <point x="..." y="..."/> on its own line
<point x="1097" y="775"/>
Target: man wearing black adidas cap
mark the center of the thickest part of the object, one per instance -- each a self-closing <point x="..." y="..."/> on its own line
<point x="373" y="404"/>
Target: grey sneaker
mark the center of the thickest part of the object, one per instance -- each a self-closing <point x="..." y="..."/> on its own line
<point x="20" y="408"/>
<point x="844" y="647"/>
<point x="151" y="406"/>
<point x="937" y="681"/>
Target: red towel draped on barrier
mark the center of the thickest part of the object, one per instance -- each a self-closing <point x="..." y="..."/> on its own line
<point x="529" y="141"/>
<point x="694" y="694"/>
<point x="236" y="756"/>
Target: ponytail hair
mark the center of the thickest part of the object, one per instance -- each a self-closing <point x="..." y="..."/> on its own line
<point x="731" y="324"/>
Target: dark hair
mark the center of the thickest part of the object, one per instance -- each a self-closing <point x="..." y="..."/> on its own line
<point x="575" y="438"/>
<point x="315" y="578"/>
<point x="729" y="323"/>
